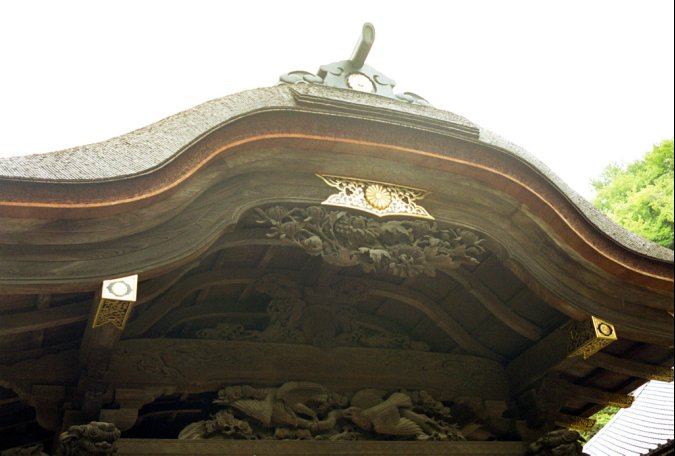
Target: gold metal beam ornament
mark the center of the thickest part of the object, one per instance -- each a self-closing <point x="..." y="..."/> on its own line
<point x="117" y="299"/>
<point x="661" y="374"/>
<point x="377" y="198"/>
<point x="588" y="337"/>
<point x="575" y="423"/>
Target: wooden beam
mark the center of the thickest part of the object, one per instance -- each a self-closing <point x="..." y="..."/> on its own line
<point x="53" y="369"/>
<point x="494" y="305"/>
<point x="37" y="320"/>
<point x="159" y="447"/>
<point x="436" y="313"/>
<point x="551" y="353"/>
<point x="576" y="423"/>
<point x="173" y="297"/>
<point x="195" y="366"/>
<point x="212" y="310"/>
<point x="216" y="264"/>
<point x="43" y="301"/>
<point x="631" y="368"/>
<point x="270" y="251"/>
<point x="96" y="348"/>
<point x="150" y="289"/>
<point x="590" y="394"/>
<point x="535" y="362"/>
<point x="100" y="337"/>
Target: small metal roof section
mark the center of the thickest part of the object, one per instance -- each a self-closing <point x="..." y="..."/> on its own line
<point x="354" y="74"/>
<point x="639" y="430"/>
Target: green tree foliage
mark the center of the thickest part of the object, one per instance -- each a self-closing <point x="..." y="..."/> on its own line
<point x="640" y="196"/>
<point x="601" y="418"/>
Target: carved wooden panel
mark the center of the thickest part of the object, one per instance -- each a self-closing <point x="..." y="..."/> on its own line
<point x="206" y="365"/>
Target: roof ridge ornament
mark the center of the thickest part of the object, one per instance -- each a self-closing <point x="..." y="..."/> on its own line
<point x="354" y="74"/>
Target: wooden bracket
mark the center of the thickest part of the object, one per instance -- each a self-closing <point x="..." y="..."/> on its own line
<point x="130" y="402"/>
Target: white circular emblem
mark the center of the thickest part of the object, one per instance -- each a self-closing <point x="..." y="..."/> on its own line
<point x="360" y="82"/>
<point x="119" y="288"/>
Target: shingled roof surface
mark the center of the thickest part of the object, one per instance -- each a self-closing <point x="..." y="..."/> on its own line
<point x="636" y="431"/>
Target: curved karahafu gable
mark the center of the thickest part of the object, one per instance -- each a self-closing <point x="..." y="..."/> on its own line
<point x="158" y="197"/>
<point x="310" y="236"/>
<point x="266" y="145"/>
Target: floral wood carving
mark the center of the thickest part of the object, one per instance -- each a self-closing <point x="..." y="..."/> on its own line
<point x="294" y="318"/>
<point x="95" y="438"/>
<point x="305" y="410"/>
<point x="404" y="248"/>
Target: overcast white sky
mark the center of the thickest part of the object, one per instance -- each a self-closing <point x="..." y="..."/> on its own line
<point x="579" y="84"/>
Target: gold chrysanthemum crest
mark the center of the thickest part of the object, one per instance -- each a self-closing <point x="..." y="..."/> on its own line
<point x="377" y="198"/>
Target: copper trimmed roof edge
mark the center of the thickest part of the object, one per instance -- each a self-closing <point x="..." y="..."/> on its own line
<point x="176" y="133"/>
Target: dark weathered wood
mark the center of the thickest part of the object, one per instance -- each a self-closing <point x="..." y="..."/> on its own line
<point x="436" y="314"/>
<point x="209" y="310"/>
<point x="270" y="252"/>
<point x="151" y="447"/>
<point x="36" y="320"/>
<point x="550" y="354"/>
<point x="175" y="296"/>
<point x="129" y="402"/>
<point x="96" y="349"/>
<point x="34" y="353"/>
<point x="195" y="227"/>
<point x="536" y="361"/>
<point x="53" y="369"/>
<point x="631" y="368"/>
<point x="188" y="365"/>
<point x="47" y="400"/>
<point x="592" y="395"/>
<point x="152" y="288"/>
<point x="161" y="220"/>
<point x="494" y="305"/>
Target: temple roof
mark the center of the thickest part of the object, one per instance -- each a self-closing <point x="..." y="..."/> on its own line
<point x="639" y="430"/>
<point x="218" y="212"/>
<point x="151" y="148"/>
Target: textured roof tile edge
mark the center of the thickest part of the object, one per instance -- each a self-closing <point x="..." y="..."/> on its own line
<point x="601" y="440"/>
<point x="619" y="234"/>
<point x="144" y="150"/>
<point x="149" y="148"/>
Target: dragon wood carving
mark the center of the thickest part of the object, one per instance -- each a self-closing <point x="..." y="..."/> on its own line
<point x="305" y="410"/>
<point x="404" y="248"/>
<point x="95" y="438"/>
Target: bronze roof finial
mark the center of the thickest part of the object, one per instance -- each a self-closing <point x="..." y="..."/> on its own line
<point x="354" y="74"/>
<point x="363" y="46"/>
